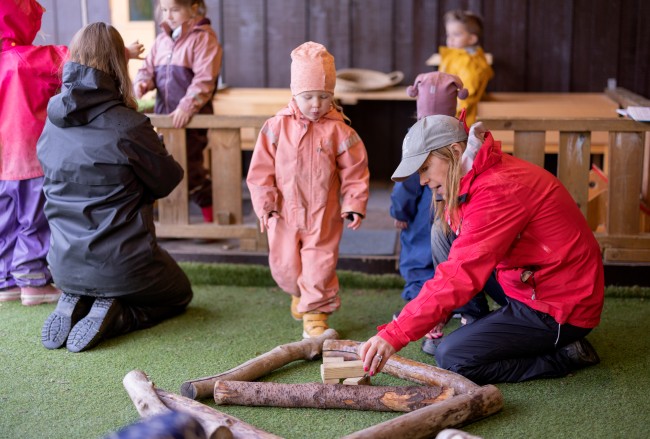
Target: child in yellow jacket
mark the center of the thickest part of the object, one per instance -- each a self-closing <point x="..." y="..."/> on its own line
<point x="309" y="172"/>
<point x="464" y="57"/>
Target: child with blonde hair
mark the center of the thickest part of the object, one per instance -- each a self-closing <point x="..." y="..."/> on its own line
<point x="309" y="172"/>
<point x="183" y="66"/>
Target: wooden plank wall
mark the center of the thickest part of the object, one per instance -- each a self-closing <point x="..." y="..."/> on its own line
<point x="538" y="45"/>
<point x="541" y="46"/>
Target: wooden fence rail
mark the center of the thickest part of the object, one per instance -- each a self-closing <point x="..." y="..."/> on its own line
<point x="623" y="238"/>
<point x="224" y="145"/>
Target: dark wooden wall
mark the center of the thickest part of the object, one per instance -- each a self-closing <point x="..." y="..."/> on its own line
<point x="538" y="45"/>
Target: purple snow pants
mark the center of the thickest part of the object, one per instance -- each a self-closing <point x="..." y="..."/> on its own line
<point x="24" y="234"/>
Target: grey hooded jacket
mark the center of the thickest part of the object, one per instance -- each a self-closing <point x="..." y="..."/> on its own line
<point x="104" y="166"/>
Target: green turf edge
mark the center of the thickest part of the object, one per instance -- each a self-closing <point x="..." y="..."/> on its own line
<point x="246" y="275"/>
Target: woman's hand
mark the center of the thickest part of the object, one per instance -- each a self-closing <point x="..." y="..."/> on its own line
<point x="375" y="353"/>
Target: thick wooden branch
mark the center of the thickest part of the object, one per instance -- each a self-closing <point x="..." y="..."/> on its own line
<point x="404" y="368"/>
<point x="208" y="416"/>
<point x="307" y="349"/>
<point x="144" y="395"/>
<point x="329" y="396"/>
<point x="428" y="421"/>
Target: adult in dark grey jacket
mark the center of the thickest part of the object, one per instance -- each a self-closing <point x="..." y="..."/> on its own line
<point x="104" y="167"/>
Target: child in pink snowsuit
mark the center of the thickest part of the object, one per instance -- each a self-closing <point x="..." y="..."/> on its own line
<point x="29" y="76"/>
<point x="305" y="161"/>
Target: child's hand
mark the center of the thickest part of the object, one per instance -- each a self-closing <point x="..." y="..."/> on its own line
<point x="135" y="50"/>
<point x="140" y="89"/>
<point x="355" y="219"/>
<point x="269" y="221"/>
<point x="180" y="118"/>
<point x="401" y="225"/>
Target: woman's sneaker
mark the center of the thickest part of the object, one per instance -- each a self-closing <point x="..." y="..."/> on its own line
<point x="9" y="294"/>
<point x="314" y="324"/>
<point x="30" y="296"/>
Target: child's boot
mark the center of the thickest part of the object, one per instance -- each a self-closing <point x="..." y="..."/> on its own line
<point x="295" y="300"/>
<point x="31" y="296"/>
<point x="9" y="294"/>
<point x="314" y="324"/>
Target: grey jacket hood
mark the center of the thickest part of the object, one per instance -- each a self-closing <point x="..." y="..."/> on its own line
<point x="86" y="93"/>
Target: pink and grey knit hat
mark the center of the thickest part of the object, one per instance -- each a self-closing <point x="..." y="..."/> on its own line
<point x="437" y="93"/>
<point x="312" y="68"/>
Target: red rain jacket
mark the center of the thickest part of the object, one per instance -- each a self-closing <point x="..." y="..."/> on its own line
<point x="29" y="76"/>
<point x="516" y="217"/>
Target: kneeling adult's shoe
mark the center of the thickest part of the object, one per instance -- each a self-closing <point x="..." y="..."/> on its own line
<point x="95" y="326"/>
<point x="69" y="310"/>
<point x="580" y="354"/>
<point x="429" y="345"/>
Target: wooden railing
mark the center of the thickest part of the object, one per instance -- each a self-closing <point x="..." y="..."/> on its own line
<point x="623" y="238"/>
<point x="224" y="150"/>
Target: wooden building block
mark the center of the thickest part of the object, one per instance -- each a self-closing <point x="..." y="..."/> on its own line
<point x="342" y="369"/>
<point x="357" y="381"/>
<point x="332" y="359"/>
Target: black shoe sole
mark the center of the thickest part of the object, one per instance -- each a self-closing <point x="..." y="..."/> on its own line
<point x="69" y="310"/>
<point x="91" y="329"/>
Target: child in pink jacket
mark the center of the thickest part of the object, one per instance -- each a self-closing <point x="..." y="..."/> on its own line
<point x="29" y="76"/>
<point x="309" y="172"/>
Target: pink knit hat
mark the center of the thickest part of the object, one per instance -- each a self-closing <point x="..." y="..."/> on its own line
<point x="312" y="68"/>
<point x="437" y="93"/>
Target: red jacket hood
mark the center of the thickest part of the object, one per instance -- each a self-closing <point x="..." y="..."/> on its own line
<point x="20" y="21"/>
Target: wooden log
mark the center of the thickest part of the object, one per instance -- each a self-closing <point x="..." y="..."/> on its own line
<point x="329" y="396"/>
<point x="143" y="394"/>
<point x="428" y="421"/>
<point x="211" y="417"/>
<point x="145" y="398"/>
<point x="307" y="349"/>
<point x="404" y="368"/>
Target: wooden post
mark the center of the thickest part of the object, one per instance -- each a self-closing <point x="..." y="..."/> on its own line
<point x="404" y="368"/>
<point x="574" y="164"/>
<point x="226" y="172"/>
<point x="307" y="349"/>
<point x="329" y="396"/>
<point x="427" y="421"/>
<point x="625" y="175"/>
<point x="174" y="208"/>
<point x="529" y="146"/>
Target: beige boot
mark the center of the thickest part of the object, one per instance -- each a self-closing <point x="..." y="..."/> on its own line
<point x="31" y="296"/>
<point x="295" y="300"/>
<point x="314" y="324"/>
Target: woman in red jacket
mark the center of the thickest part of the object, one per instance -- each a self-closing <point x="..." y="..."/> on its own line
<point x="507" y="215"/>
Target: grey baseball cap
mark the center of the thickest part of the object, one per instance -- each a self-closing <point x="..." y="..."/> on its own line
<point x="426" y="135"/>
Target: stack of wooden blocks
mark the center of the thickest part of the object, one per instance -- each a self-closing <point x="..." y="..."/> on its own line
<point x="335" y="370"/>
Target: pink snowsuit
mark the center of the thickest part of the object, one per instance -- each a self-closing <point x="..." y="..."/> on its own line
<point x="301" y="169"/>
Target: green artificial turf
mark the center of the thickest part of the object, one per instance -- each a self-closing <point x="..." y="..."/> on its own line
<point x="57" y="394"/>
